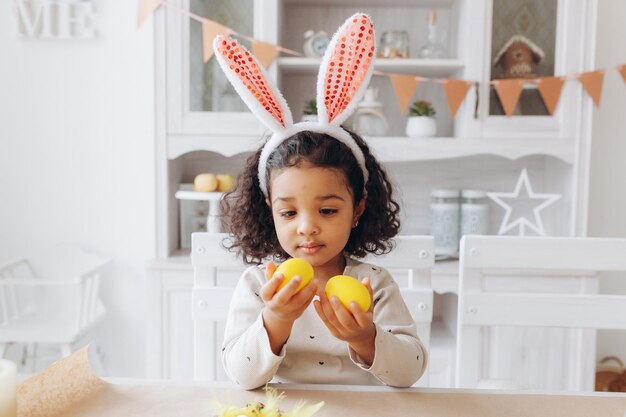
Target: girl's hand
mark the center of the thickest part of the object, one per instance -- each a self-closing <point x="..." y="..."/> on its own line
<point x="285" y="305"/>
<point x="353" y="325"/>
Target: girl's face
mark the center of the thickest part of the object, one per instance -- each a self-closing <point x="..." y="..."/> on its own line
<point x="313" y="214"/>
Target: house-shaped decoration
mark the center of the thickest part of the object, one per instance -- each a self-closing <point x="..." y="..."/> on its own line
<point x="518" y="57"/>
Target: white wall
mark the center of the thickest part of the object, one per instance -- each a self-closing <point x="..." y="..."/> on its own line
<point x="77" y="158"/>
<point x="607" y="194"/>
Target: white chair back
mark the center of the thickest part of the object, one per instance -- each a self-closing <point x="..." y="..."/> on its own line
<point x="487" y="296"/>
<point x="51" y="298"/>
<point x="216" y="271"/>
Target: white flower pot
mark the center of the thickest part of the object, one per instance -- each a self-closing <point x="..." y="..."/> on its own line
<point x="421" y="127"/>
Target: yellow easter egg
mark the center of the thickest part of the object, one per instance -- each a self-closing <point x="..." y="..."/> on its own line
<point x="295" y="267"/>
<point x="348" y="289"/>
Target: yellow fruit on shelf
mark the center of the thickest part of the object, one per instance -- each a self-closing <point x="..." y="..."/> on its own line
<point x="225" y="182"/>
<point x="205" y="183"/>
<point x="348" y="289"/>
<point x="295" y="267"/>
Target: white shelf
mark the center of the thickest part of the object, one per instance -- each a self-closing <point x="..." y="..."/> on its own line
<point x="399" y="149"/>
<point x="198" y="196"/>
<point x="403" y="149"/>
<point x="423" y="67"/>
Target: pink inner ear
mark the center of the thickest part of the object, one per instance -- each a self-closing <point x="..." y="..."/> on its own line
<point x="245" y="67"/>
<point x="348" y="65"/>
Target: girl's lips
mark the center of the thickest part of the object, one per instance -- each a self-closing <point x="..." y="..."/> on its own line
<point x="310" y="248"/>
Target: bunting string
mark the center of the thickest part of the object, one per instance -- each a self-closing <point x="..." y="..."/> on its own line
<point x="508" y="90"/>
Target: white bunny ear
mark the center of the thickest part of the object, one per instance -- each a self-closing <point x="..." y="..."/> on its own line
<point x="252" y="83"/>
<point x="345" y="70"/>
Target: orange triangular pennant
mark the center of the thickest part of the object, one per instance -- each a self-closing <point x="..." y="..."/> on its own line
<point x="264" y="52"/>
<point x="622" y="70"/>
<point x="508" y="92"/>
<point x="210" y="30"/>
<point x="592" y="83"/>
<point x="550" y="89"/>
<point x="455" y="91"/>
<point x="145" y="8"/>
<point x="404" y="86"/>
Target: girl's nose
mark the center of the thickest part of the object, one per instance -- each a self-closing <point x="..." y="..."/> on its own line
<point x="307" y="226"/>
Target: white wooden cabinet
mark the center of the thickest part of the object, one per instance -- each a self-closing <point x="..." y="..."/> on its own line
<point x="204" y="128"/>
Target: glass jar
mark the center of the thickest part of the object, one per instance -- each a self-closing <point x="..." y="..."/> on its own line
<point x="394" y="44"/>
<point x="474" y="213"/>
<point x="444" y="221"/>
<point x="434" y="47"/>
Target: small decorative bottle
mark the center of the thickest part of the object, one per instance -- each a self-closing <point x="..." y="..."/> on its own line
<point x="444" y="221"/>
<point x="474" y="213"/>
<point x="434" y="48"/>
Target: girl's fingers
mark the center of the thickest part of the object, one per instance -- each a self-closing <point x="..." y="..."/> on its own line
<point x="366" y="281"/>
<point x="320" y="312"/>
<point x="343" y="315"/>
<point x="285" y="293"/>
<point x="362" y="318"/>
<point x="329" y="313"/>
<point x="305" y="295"/>
<point x="270" y="268"/>
<point x="269" y="289"/>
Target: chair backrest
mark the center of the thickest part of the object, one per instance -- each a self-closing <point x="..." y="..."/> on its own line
<point x="11" y="276"/>
<point x="490" y="294"/>
<point x="60" y="287"/>
<point x="217" y="270"/>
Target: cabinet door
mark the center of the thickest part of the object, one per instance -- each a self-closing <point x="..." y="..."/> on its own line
<point x="170" y="330"/>
<point x="530" y="39"/>
<point x="200" y="100"/>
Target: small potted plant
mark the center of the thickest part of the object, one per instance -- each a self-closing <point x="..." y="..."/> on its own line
<point x="421" y="123"/>
<point x="309" y="114"/>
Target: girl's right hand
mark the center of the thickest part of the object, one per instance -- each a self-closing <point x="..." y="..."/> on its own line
<point x="285" y="305"/>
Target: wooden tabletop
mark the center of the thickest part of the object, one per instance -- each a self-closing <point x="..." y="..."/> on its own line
<point x="168" y="399"/>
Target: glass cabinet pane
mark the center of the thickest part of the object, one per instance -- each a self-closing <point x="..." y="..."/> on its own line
<point x="523" y="43"/>
<point x="208" y="88"/>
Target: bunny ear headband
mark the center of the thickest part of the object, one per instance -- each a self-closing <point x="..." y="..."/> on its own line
<point x="343" y="76"/>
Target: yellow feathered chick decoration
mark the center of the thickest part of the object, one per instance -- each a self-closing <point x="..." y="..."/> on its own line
<point x="269" y="409"/>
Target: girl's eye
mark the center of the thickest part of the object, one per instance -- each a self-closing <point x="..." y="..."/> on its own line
<point x="287" y="213"/>
<point x="328" y="211"/>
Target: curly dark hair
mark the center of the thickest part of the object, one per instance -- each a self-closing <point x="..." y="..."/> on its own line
<point x="250" y="219"/>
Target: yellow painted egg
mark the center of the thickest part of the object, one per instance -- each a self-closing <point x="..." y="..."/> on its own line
<point x="292" y="267"/>
<point x="349" y="289"/>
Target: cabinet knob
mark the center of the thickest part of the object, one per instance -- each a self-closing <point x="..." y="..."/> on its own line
<point x="203" y="305"/>
<point x="422" y="306"/>
<point x="201" y="249"/>
<point x="473" y="252"/>
<point x="473" y="309"/>
<point x="423" y="254"/>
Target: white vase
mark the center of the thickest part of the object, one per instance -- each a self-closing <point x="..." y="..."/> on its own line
<point x="421" y="127"/>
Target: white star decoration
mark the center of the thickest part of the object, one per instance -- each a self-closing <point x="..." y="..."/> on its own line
<point x="522" y="221"/>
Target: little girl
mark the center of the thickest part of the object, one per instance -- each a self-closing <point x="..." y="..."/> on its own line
<point x="314" y="191"/>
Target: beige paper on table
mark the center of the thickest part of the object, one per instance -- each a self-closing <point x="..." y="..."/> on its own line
<point x="59" y="388"/>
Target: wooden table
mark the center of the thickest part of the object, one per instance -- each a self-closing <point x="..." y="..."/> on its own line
<point x="168" y="399"/>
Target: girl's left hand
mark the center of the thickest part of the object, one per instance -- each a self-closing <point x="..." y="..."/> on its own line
<point x="354" y="326"/>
